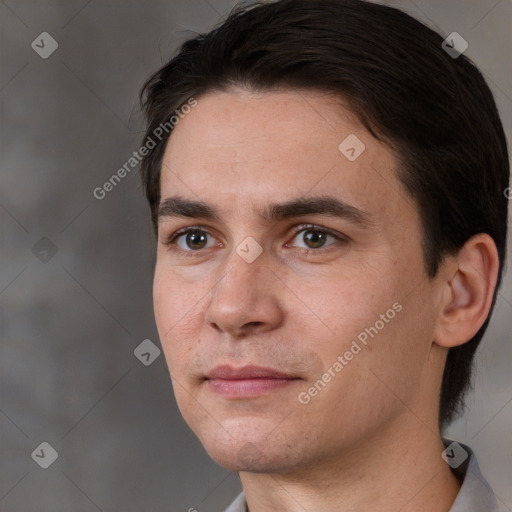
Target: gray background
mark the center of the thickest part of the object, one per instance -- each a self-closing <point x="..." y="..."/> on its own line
<point x="70" y="324"/>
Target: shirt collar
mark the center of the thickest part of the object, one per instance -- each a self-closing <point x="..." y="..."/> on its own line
<point x="475" y="494"/>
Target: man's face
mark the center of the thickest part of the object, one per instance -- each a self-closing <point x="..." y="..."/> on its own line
<point x="321" y="283"/>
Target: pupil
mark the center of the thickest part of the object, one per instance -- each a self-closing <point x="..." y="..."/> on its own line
<point x="196" y="240"/>
<point x="314" y="239"/>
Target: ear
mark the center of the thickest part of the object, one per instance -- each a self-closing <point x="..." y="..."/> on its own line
<point x="468" y="279"/>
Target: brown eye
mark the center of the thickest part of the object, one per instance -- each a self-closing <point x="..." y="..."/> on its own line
<point x="314" y="239"/>
<point x="192" y="240"/>
<point x="196" y="240"/>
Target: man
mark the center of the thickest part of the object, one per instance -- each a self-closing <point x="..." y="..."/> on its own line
<point x="331" y="225"/>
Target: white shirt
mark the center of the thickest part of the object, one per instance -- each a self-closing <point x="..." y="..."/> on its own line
<point x="475" y="494"/>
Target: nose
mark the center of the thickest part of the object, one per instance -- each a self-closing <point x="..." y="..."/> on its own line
<point x="246" y="299"/>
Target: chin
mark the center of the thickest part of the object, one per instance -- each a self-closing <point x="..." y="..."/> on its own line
<point x="251" y="443"/>
<point x="251" y="459"/>
<point x="252" y="452"/>
<point x="247" y="458"/>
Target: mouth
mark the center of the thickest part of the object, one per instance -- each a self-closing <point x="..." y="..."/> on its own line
<point x="247" y="382"/>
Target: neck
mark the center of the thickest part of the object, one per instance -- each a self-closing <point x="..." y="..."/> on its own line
<point x="400" y="469"/>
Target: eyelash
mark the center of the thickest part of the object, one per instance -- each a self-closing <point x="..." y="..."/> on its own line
<point x="170" y="240"/>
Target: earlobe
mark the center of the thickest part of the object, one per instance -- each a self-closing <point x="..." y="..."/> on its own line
<point x="468" y="291"/>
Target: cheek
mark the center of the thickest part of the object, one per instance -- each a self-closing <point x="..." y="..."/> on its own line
<point x="394" y="356"/>
<point x="348" y="301"/>
<point x="177" y="307"/>
<point x="165" y="305"/>
<point x="382" y="326"/>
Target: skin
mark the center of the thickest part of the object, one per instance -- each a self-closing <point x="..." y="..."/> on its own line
<point x="370" y="436"/>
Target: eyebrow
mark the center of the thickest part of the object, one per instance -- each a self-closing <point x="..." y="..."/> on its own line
<point x="173" y="207"/>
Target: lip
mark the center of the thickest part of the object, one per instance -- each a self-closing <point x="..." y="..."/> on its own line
<point x="247" y="381"/>
<point x="227" y="372"/>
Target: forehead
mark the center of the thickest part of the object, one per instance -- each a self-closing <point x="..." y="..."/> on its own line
<point x="240" y="151"/>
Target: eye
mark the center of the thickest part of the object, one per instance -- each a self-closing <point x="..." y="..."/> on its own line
<point x="312" y="237"/>
<point x="192" y="239"/>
